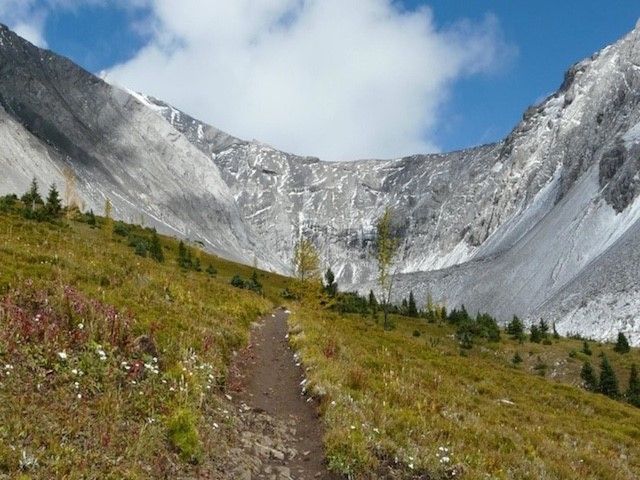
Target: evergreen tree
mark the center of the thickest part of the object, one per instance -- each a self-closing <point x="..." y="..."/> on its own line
<point x="515" y="328"/>
<point x="53" y="206"/>
<point x="91" y="219"/>
<point x="466" y="340"/>
<point x="633" y="392"/>
<point x="331" y="287"/>
<point x="155" y="249"/>
<point x="536" y="334"/>
<point x="195" y="263"/>
<point x="588" y="376"/>
<point x="255" y="284"/>
<point x="373" y="303"/>
<point x="404" y="308"/>
<point x="622" y="345"/>
<point x="184" y="256"/>
<point x="412" y="310"/>
<point x="211" y="271"/>
<point x="544" y="328"/>
<point x="517" y="359"/>
<point x="586" y="349"/>
<point x="32" y="197"/>
<point x="608" y="381"/>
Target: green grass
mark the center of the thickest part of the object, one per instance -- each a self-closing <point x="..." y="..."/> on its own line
<point x="397" y="400"/>
<point x="121" y="375"/>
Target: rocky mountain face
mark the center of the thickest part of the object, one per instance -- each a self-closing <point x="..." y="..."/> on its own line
<point x="544" y="223"/>
<point x="55" y="115"/>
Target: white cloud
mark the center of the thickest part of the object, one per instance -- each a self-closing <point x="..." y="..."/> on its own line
<point x="333" y="78"/>
<point x="31" y="32"/>
<point x="340" y="79"/>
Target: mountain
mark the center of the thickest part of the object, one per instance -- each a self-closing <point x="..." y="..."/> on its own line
<point x="543" y="223"/>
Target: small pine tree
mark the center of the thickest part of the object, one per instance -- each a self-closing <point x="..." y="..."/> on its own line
<point x="53" y="206"/>
<point x="556" y="335"/>
<point x="91" y="219"/>
<point x="404" y="308"/>
<point x="373" y="303"/>
<point x="466" y="340"/>
<point x="412" y="310"/>
<point x="330" y="285"/>
<point x="608" y="381"/>
<point x="140" y="248"/>
<point x="155" y="249"/>
<point x="622" y="345"/>
<point x="195" y="263"/>
<point x="633" y="392"/>
<point x="184" y="256"/>
<point x="515" y="328"/>
<point x="211" y="271"/>
<point x="586" y="349"/>
<point x="517" y="359"/>
<point x="536" y="335"/>
<point x="32" y="197"/>
<point x="588" y="376"/>
<point x="544" y="328"/>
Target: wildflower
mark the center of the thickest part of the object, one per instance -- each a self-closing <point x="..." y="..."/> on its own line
<point x="445" y="460"/>
<point x="79" y="396"/>
<point x="62" y="355"/>
<point x="80" y="326"/>
<point x="75" y="372"/>
<point x="101" y="353"/>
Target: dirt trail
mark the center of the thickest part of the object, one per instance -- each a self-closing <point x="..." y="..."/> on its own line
<point x="267" y="382"/>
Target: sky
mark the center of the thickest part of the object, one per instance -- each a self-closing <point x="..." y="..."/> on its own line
<point x="338" y="79"/>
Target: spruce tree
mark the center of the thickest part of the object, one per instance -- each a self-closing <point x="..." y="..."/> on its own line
<point x="155" y="249"/>
<point x="515" y="328"/>
<point x="412" y="310"/>
<point x="53" y="206"/>
<point x="517" y="359"/>
<point x="331" y="287"/>
<point x="536" y="335"/>
<point x="586" y="349"/>
<point x="589" y="377"/>
<point x="556" y="335"/>
<point x="544" y="328"/>
<point x="633" y="392"/>
<point x="32" y="197"/>
<point x="608" y="381"/>
<point x="91" y="219"/>
<point x="622" y="345"/>
<point x="373" y="303"/>
<point x="184" y="256"/>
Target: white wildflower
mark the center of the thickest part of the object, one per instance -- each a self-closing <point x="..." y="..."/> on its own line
<point x="62" y="355"/>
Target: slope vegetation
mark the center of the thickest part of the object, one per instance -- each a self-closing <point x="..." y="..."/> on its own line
<point x="112" y="364"/>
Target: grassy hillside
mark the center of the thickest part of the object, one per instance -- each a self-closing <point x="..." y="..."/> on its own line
<point x="407" y="401"/>
<point x="112" y="364"/>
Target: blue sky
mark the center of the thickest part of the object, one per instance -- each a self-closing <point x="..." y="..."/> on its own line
<point x="543" y="37"/>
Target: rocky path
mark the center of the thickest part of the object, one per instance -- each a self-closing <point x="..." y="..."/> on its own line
<point x="283" y="434"/>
